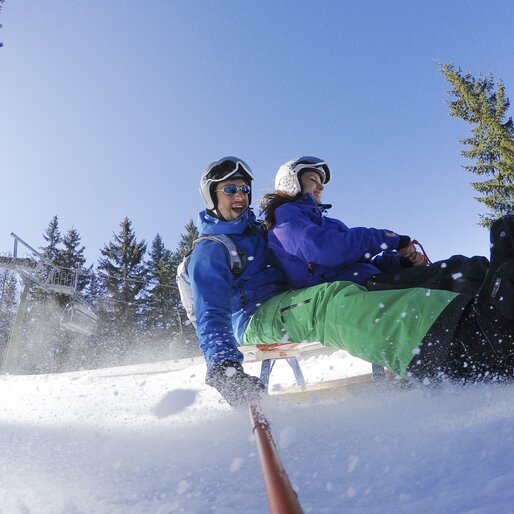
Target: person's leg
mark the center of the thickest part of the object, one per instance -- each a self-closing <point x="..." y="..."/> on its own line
<point x="383" y="327"/>
<point x="502" y="240"/>
<point x="482" y="345"/>
<point x="459" y="274"/>
<point x="498" y="288"/>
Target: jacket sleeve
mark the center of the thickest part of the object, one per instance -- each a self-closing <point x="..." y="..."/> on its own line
<point x="212" y="286"/>
<point x="388" y="261"/>
<point x="338" y="246"/>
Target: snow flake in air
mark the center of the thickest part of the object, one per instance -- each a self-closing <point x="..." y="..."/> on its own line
<point x="350" y="492"/>
<point x="352" y="462"/>
<point x="236" y="464"/>
<point x="286" y="437"/>
<point x="182" y="487"/>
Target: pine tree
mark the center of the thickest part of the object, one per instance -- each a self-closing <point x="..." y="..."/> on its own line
<point x="52" y="236"/>
<point x="185" y="342"/>
<point x="160" y="314"/>
<point x="186" y="240"/>
<point x="123" y="274"/>
<point x="9" y="297"/>
<point x="94" y="291"/>
<point x="72" y="258"/>
<point x="477" y="101"/>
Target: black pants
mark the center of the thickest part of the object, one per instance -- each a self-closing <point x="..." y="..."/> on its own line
<point x="466" y="343"/>
<point x="458" y="273"/>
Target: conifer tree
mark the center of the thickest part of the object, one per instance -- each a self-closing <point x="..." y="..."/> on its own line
<point x="72" y="258"/>
<point x="123" y="274"/>
<point x="161" y="308"/>
<point x="186" y="338"/>
<point x="50" y="345"/>
<point x="94" y="291"/>
<point x="186" y="240"/>
<point x="52" y="236"/>
<point x="480" y="103"/>
<point x="9" y="296"/>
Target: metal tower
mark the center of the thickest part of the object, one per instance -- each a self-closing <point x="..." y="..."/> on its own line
<point x="36" y="270"/>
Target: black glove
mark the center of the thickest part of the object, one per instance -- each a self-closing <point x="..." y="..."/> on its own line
<point x="404" y="242"/>
<point x="405" y="262"/>
<point x="237" y="387"/>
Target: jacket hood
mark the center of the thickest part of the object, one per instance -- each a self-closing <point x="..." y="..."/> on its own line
<point x="208" y="224"/>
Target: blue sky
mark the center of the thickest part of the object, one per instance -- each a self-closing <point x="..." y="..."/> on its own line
<point x="113" y="109"/>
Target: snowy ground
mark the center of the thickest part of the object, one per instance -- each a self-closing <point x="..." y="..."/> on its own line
<point x="154" y="439"/>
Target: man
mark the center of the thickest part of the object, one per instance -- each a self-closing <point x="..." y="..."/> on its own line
<point x="224" y="302"/>
<point x="418" y="332"/>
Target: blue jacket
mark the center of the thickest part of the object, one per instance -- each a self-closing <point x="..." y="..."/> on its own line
<point x="312" y="248"/>
<point x="223" y="301"/>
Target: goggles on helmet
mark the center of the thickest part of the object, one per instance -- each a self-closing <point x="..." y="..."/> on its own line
<point x="287" y="177"/>
<point x="307" y="162"/>
<point x="225" y="168"/>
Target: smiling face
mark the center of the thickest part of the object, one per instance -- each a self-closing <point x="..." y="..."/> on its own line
<point x="231" y="206"/>
<point x="311" y="183"/>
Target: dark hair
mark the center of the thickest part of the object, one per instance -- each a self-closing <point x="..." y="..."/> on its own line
<point x="270" y="202"/>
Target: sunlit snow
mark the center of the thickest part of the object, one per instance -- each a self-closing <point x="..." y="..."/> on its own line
<point x="155" y="439"/>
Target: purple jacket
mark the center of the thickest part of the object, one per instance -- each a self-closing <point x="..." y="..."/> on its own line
<point x="312" y="248"/>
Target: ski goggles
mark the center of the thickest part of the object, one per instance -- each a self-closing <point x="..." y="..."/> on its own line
<point x="226" y="168"/>
<point x="307" y="162"/>
<point x="233" y="189"/>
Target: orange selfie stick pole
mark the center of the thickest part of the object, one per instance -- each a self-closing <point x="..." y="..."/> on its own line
<point x="281" y="496"/>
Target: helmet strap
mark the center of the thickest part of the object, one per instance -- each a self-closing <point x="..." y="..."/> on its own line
<point x="215" y="213"/>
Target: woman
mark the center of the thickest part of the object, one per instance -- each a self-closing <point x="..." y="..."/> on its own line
<point x="313" y="248"/>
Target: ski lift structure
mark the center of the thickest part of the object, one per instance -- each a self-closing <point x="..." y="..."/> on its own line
<point x="35" y="269"/>
<point x="78" y="317"/>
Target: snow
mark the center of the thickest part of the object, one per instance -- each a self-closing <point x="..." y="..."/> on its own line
<point x="154" y="439"/>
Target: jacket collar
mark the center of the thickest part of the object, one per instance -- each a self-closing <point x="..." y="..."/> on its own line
<point x="208" y="224"/>
<point x="309" y="202"/>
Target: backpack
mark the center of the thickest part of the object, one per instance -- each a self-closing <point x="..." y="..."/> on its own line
<point x="237" y="262"/>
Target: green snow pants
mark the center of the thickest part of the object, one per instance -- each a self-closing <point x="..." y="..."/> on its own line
<point x="383" y="327"/>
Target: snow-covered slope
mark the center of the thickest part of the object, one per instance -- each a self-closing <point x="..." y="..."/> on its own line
<point x="155" y="439"/>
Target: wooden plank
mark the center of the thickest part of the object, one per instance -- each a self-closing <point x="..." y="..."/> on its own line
<point x="358" y="384"/>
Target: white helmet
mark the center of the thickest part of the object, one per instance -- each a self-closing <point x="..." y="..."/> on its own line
<point x="221" y="170"/>
<point x="287" y="179"/>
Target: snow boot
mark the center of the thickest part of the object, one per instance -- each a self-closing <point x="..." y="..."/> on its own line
<point x="479" y="342"/>
<point x="482" y="348"/>
<point x="498" y="289"/>
<point x="502" y="240"/>
<point x="497" y="284"/>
